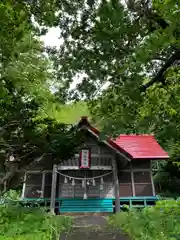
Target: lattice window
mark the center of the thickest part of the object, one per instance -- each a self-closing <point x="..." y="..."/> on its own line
<point x="143" y="184"/>
<point x="125" y="183"/>
<point x="33" y="185"/>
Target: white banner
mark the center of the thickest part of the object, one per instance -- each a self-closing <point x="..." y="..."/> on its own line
<point x="85" y="158"/>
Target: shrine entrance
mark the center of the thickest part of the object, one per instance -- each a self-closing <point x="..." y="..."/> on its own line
<point x="88" y="181"/>
<point x="85" y="191"/>
<point x="85" y="184"/>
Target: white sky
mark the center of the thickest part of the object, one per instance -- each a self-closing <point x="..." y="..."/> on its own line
<point x="52" y="39"/>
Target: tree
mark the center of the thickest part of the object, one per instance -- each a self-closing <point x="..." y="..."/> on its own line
<point x="135" y="48"/>
<point x="27" y="137"/>
<point x="130" y="46"/>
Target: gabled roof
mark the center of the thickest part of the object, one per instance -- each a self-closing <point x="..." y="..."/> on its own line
<point x="131" y="146"/>
<point x="141" y="146"/>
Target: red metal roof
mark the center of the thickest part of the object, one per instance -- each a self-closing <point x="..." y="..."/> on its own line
<point x="133" y="146"/>
<point x="141" y="146"/>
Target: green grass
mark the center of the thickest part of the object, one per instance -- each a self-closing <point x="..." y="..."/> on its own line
<point x="68" y="113"/>
<point x="161" y="222"/>
<point x="19" y="223"/>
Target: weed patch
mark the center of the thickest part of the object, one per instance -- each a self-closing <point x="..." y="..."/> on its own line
<point x="160" y="222"/>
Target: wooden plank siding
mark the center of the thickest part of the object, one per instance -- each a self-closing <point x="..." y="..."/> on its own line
<point x="101" y="157"/>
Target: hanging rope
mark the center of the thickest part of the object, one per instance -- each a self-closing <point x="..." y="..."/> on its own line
<point x="85" y="178"/>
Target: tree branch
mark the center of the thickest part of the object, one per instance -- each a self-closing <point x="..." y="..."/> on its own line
<point x="143" y="8"/>
<point x="13" y="171"/>
<point x="160" y="75"/>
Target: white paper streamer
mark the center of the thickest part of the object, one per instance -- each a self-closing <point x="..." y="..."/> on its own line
<point x="65" y="180"/>
<point x="85" y="196"/>
<point x="83" y="183"/>
<point x="73" y="182"/>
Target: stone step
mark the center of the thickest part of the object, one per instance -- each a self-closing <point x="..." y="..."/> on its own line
<point x="93" y="234"/>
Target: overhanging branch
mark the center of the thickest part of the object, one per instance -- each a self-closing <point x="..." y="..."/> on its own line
<point x="160" y="75"/>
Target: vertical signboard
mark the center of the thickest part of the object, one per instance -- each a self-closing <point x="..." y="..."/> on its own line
<point x="85" y="158"/>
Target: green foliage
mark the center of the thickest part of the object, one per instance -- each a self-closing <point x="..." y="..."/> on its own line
<point x="134" y="48"/>
<point x="29" y="131"/>
<point x="126" y="46"/>
<point x="20" y="223"/>
<point x="11" y="195"/>
<point x="160" y="222"/>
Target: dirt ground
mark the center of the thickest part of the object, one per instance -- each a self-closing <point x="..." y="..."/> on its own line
<point x="92" y="228"/>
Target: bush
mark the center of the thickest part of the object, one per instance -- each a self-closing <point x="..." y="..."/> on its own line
<point x="161" y="222"/>
<point x="19" y="223"/>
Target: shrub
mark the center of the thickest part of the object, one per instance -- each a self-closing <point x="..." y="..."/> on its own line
<point x="19" y="223"/>
<point x="161" y="222"/>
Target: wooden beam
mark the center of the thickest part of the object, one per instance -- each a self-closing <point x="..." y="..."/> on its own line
<point x="136" y="170"/>
<point x="91" y="168"/>
<point x="39" y="171"/>
<point x="95" y="155"/>
<point x="116" y="184"/>
<point x="53" y="188"/>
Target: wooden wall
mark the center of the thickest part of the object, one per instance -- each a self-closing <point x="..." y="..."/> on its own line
<point x="136" y="179"/>
<point x="101" y="155"/>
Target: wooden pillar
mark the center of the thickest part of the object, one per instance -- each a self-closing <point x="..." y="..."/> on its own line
<point x="85" y="186"/>
<point x="43" y="184"/>
<point x="152" y="183"/>
<point x="24" y="186"/>
<point x="116" y="185"/>
<point x="53" y="188"/>
<point x="132" y="181"/>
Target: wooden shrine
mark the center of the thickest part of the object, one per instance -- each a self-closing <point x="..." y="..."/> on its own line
<point x="101" y="177"/>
